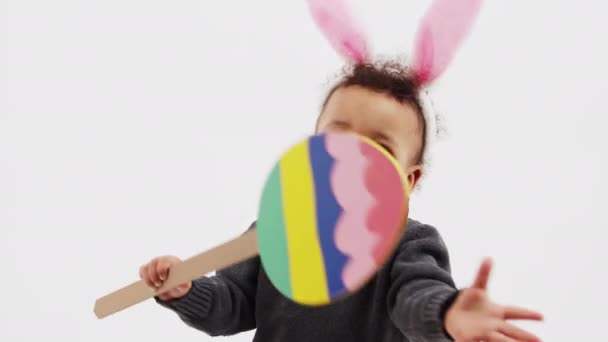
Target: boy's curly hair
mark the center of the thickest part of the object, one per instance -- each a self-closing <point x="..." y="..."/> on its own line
<point x="391" y="78"/>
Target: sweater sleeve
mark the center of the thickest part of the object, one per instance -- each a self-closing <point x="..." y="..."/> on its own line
<point x="422" y="287"/>
<point x="223" y="304"/>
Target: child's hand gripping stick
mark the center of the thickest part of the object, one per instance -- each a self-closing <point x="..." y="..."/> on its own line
<point x="332" y="212"/>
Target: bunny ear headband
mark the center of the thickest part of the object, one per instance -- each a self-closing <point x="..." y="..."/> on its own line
<point x="440" y="33"/>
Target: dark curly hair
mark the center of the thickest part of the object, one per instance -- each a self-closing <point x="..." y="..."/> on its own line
<point x="391" y="78"/>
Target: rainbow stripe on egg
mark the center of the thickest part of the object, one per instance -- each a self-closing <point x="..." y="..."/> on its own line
<point x="331" y="213"/>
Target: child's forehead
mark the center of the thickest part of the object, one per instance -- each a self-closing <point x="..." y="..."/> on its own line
<point x="357" y="93"/>
<point x="359" y="97"/>
<point x="370" y="106"/>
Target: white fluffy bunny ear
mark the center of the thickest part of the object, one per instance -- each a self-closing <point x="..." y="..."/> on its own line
<point x="440" y="33"/>
<point x="335" y="21"/>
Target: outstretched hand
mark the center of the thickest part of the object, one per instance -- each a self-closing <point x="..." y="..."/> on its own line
<point x="473" y="317"/>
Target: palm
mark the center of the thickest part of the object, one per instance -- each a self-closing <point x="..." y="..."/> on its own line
<point x="474" y="317"/>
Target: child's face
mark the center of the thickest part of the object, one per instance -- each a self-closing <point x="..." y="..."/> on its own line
<point x="379" y="117"/>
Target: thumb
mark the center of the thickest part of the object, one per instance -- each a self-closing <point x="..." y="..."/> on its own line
<point x="483" y="275"/>
<point x="181" y="290"/>
<point x="174" y="293"/>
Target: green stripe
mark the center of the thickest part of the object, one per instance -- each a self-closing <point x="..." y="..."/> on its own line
<point x="271" y="234"/>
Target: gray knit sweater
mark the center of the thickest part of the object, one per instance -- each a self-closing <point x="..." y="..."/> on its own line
<point x="406" y="301"/>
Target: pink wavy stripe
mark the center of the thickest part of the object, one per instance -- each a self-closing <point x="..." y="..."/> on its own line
<point x="440" y="33"/>
<point x="352" y="236"/>
<point x="385" y="217"/>
<point x="336" y="23"/>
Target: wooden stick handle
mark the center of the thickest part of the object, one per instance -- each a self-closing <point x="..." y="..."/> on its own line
<point x="227" y="254"/>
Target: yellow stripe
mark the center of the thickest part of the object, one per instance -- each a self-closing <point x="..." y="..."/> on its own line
<point x="308" y="280"/>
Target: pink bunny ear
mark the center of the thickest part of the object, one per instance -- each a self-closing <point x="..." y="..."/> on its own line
<point x="440" y="34"/>
<point x="337" y="25"/>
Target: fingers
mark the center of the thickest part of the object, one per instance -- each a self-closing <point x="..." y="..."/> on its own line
<point x="483" y="275"/>
<point x="143" y="274"/>
<point x="513" y="312"/>
<point x="156" y="272"/>
<point x="162" y="269"/>
<point x="153" y="274"/>
<point x="517" y="333"/>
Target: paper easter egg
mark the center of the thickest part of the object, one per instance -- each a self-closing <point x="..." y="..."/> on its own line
<point x="332" y="212"/>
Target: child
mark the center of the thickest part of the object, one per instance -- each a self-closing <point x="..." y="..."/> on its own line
<point x="413" y="297"/>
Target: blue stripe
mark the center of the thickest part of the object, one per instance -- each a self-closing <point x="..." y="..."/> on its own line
<point x="328" y="211"/>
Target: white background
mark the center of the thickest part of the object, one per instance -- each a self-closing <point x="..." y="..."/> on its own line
<point x="132" y="128"/>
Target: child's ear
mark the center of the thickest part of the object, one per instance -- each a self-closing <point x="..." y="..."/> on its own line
<point x="414" y="174"/>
